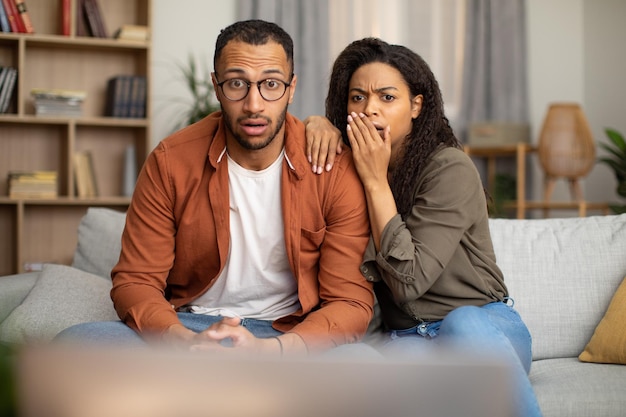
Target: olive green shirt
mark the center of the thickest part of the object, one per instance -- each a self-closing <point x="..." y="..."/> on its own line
<point x="442" y="256"/>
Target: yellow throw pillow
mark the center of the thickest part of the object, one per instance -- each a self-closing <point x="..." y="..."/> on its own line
<point x="608" y="343"/>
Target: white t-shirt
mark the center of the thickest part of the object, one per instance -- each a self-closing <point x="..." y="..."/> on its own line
<point x="257" y="281"/>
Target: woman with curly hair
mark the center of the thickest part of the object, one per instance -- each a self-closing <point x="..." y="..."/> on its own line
<point x="430" y="255"/>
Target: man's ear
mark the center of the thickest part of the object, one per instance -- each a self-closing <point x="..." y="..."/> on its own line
<point x="215" y="87"/>
<point x="416" y="106"/>
<point x="292" y="87"/>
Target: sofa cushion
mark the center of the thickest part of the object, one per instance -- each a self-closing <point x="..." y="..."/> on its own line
<point x="61" y="297"/>
<point x="608" y="343"/>
<point x="569" y="388"/>
<point x="99" y="241"/>
<point x="562" y="274"/>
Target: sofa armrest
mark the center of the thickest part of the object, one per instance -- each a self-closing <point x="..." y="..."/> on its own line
<point x="13" y="290"/>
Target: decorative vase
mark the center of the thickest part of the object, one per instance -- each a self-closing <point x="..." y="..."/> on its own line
<point x="130" y="171"/>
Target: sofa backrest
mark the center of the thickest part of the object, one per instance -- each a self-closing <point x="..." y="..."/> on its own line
<point x="562" y="274"/>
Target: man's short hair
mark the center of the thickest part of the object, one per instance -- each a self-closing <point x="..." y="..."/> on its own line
<point x="254" y="32"/>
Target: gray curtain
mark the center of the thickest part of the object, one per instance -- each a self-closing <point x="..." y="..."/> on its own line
<point x="494" y="69"/>
<point x="307" y="23"/>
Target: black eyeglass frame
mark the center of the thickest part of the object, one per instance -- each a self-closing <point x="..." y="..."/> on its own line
<point x="258" y="86"/>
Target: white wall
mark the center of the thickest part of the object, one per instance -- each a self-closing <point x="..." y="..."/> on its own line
<point x="576" y="51"/>
<point x="604" y="83"/>
<point x="181" y="27"/>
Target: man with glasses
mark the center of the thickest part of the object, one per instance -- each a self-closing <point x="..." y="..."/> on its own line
<point x="231" y="241"/>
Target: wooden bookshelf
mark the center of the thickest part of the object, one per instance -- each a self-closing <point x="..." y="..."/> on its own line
<point x="33" y="230"/>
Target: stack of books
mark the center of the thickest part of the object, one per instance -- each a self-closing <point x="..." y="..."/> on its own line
<point x="54" y="102"/>
<point x="138" y="33"/>
<point x="126" y="96"/>
<point x="33" y="184"/>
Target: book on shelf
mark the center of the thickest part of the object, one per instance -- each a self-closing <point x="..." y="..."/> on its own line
<point x="58" y="102"/>
<point x="33" y="184"/>
<point x="3" y="74"/>
<point x="81" y="22"/>
<point x="137" y="105"/>
<point x="15" y="22"/>
<point x="94" y="19"/>
<point x="84" y="175"/>
<point x="126" y="96"/>
<point x="66" y="17"/>
<point x="7" y="87"/>
<point x="132" y="33"/>
<point x="22" y="11"/>
<point x="4" y="21"/>
<point x="117" y="96"/>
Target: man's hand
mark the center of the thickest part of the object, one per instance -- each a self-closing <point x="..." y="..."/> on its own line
<point x="241" y="338"/>
<point x="321" y="138"/>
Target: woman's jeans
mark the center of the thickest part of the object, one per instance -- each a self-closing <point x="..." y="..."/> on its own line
<point x="495" y="329"/>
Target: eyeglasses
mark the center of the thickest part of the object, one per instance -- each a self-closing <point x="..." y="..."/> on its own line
<point x="236" y="89"/>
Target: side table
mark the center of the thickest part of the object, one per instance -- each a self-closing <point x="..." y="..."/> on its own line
<point x="491" y="154"/>
<point x="521" y="205"/>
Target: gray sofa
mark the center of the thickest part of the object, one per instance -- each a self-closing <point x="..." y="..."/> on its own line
<point x="562" y="274"/>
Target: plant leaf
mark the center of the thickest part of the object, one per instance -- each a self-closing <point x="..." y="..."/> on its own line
<point x="197" y="80"/>
<point x="613" y="151"/>
<point x="618" y="167"/>
<point x="617" y="209"/>
<point x="617" y="139"/>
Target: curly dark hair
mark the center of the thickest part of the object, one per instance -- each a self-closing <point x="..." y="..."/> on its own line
<point x="431" y="129"/>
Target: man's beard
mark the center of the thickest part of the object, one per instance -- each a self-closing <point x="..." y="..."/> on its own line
<point x="250" y="146"/>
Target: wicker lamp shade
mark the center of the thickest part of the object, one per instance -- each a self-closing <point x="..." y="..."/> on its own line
<point x="566" y="146"/>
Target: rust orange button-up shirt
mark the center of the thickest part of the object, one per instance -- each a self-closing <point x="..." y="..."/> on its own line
<point x="176" y="239"/>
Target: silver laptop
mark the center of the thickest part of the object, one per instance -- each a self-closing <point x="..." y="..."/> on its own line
<point x="64" y="382"/>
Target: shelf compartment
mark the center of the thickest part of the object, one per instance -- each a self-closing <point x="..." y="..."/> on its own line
<point x="34" y="147"/>
<point x="46" y="14"/>
<point x="75" y="69"/>
<point x="108" y="146"/>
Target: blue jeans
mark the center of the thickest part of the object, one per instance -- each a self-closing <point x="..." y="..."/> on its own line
<point x="116" y="332"/>
<point x="495" y="328"/>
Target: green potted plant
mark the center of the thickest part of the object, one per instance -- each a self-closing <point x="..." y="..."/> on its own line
<point x="203" y="100"/>
<point x="505" y="187"/>
<point x="616" y="160"/>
